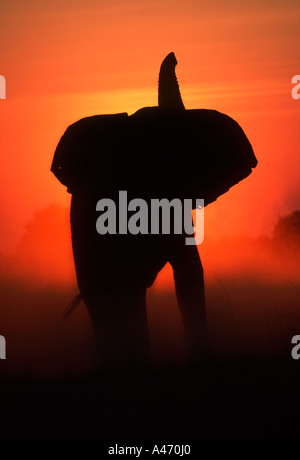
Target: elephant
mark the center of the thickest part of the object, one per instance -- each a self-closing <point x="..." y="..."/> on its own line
<point x="158" y="152"/>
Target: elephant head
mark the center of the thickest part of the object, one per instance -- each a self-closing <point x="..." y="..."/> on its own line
<point x="164" y="151"/>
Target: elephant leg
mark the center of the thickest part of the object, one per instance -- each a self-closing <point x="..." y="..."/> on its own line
<point x="116" y="303"/>
<point x="189" y="286"/>
<point x="121" y="328"/>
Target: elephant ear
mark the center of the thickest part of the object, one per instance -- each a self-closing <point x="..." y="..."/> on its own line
<point x="88" y="152"/>
<point x="169" y="96"/>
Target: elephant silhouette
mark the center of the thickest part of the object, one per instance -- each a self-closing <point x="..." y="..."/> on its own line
<point x="158" y="152"/>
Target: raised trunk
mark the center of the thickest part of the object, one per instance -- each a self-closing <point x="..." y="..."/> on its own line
<point x="169" y="96"/>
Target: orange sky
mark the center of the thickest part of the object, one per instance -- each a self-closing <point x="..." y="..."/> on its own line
<point x="64" y="60"/>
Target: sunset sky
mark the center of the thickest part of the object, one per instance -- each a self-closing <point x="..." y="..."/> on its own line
<point x="64" y="60"/>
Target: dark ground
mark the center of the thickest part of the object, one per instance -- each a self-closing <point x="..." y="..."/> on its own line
<point x="243" y="400"/>
<point x="249" y="390"/>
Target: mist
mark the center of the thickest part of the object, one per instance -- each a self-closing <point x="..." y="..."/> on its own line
<point x="252" y="293"/>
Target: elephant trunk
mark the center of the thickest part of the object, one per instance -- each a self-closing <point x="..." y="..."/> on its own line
<point x="169" y="96"/>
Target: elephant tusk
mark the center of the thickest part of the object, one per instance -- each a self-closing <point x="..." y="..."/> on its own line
<point x="72" y="305"/>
